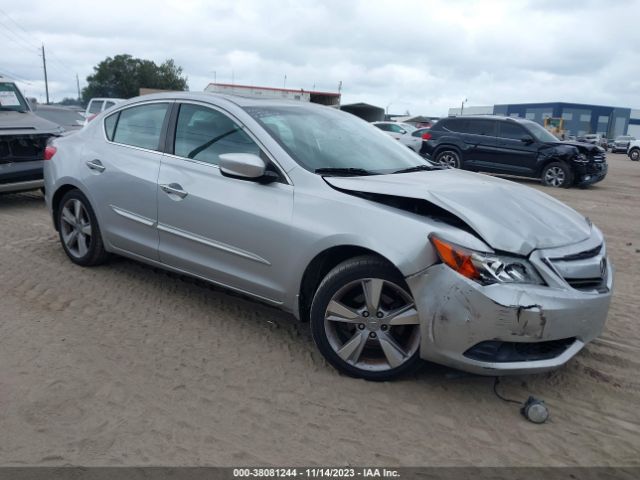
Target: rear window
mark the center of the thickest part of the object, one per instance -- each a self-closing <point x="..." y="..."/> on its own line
<point x="95" y="106"/>
<point x="141" y="126"/>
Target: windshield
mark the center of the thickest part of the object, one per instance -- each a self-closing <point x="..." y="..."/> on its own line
<point x="11" y="98"/>
<point x="322" y="137"/>
<point x="538" y="131"/>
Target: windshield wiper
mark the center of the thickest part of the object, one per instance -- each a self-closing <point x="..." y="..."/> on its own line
<point x="418" y="168"/>
<point x="344" y="171"/>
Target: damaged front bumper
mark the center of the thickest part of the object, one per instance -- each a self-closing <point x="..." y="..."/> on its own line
<point x="505" y="328"/>
<point x="589" y="174"/>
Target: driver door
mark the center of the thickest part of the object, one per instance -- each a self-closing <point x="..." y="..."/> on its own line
<point x="230" y="231"/>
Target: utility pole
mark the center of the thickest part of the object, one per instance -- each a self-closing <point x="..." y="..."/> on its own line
<point x="46" y="81"/>
<point x="78" y="85"/>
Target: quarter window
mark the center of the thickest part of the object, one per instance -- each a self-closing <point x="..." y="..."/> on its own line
<point x="204" y="134"/>
<point x="141" y="126"/>
<point x="110" y="125"/>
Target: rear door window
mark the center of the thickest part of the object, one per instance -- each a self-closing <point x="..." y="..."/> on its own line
<point x="204" y="134"/>
<point x="141" y="126"/>
<point x="108" y="105"/>
<point x="482" y="127"/>
<point x="458" y="125"/>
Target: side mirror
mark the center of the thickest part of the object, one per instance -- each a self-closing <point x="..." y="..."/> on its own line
<point x="527" y="139"/>
<point x="403" y="132"/>
<point x="242" y="165"/>
<point x="33" y="104"/>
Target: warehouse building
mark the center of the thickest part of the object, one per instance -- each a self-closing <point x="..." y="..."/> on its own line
<point x="574" y="118"/>
<point x="323" y="98"/>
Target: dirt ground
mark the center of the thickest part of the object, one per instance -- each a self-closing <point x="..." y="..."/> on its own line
<point x="127" y="365"/>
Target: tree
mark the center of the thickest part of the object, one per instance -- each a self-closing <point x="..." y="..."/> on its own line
<point x="122" y="77"/>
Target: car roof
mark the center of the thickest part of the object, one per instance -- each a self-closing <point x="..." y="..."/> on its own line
<point x="490" y="117"/>
<point x="239" y="100"/>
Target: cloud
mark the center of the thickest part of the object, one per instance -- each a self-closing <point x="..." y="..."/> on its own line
<point x="414" y="55"/>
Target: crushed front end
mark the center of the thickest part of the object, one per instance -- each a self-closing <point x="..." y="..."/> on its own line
<point x="515" y="328"/>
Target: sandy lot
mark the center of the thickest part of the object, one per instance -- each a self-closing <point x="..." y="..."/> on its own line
<point x="128" y="365"/>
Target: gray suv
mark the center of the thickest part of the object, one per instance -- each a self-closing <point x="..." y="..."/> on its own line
<point x="23" y="137"/>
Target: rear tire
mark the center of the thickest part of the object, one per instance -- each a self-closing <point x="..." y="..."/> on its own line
<point x="448" y="159"/>
<point x="557" y="174"/>
<point x="635" y="154"/>
<point x="364" y="320"/>
<point x="79" y="231"/>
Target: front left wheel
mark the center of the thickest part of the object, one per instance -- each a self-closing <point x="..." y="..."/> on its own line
<point x="635" y="154"/>
<point x="364" y="320"/>
<point x="79" y="231"/>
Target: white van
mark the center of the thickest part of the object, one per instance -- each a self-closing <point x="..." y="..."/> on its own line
<point x="97" y="105"/>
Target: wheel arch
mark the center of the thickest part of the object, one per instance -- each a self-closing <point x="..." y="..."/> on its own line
<point x="55" y="201"/>
<point x="322" y="264"/>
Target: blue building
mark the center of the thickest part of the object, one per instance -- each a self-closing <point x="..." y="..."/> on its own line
<point x="578" y="119"/>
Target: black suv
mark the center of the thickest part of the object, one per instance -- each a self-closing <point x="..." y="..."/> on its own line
<point x="513" y="146"/>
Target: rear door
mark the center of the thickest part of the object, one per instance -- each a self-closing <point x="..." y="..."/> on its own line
<point x="513" y="155"/>
<point x="121" y="175"/>
<point x="228" y="230"/>
<point x="481" y="142"/>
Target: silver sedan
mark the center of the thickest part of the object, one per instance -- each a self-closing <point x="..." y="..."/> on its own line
<point x="310" y="209"/>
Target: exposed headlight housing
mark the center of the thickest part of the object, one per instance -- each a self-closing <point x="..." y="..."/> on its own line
<point x="582" y="158"/>
<point x="485" y="268"/>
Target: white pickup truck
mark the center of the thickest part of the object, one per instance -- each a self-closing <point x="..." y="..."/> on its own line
<point x="634" y="150"/>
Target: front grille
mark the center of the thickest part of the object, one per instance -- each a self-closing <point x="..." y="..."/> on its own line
<point x="599" y="158"/>
<point x="22" y="148"/>
<point x="501" y="352"/>
<point x="585" y="271"/>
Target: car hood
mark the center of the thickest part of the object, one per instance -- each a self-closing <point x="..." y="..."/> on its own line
<point x="28" y="123"/>
<point x="583" y="147"/>
<point x="507" y="216"/>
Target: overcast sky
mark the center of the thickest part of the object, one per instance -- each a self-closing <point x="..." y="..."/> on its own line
<point x="420" y="56"/>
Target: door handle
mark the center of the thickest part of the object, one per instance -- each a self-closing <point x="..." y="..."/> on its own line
<point x="96" y="165"/>
<point x="174" y="189"/>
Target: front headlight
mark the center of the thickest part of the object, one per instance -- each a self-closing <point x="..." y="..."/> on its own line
<point x="485" y="268"/>
<point x="581" y="158"/>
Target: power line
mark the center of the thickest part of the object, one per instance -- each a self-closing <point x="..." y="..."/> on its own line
<point x="28" y="35"/>
<point x="16" y="39"/>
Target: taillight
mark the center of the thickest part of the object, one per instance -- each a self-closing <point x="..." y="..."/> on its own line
<point x="91" y="117"/>
<point x="426" y="136"/>
<point x="49" y="152"/>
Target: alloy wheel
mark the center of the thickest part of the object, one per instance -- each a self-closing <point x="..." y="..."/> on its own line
<point x="555" y="176"/>
<point x="449" y="160"/>
<point x="372" y="324"/>
<point x="75" y="226"/>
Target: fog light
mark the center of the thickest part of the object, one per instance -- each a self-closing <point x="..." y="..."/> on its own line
<point x="535" y="410"/>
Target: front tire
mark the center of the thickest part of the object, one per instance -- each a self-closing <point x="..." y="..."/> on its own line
<point x="79" y="232"/>
<point x="635" y="154"/>
<point x="557" y="174"/>
<point x="448" y="159"/>
<point x="364" y="320"/>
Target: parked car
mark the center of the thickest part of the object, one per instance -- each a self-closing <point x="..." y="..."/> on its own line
<point x="312" y="210"/>
<point x="23" y="137"/>
<point x="596" y="139"/>
<point x="514" y="146"/>
<point x="98" y="105"/>
<point x="621" y="143"/>
<point x="401" y="132"/>
<point x="634" y="150"/>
